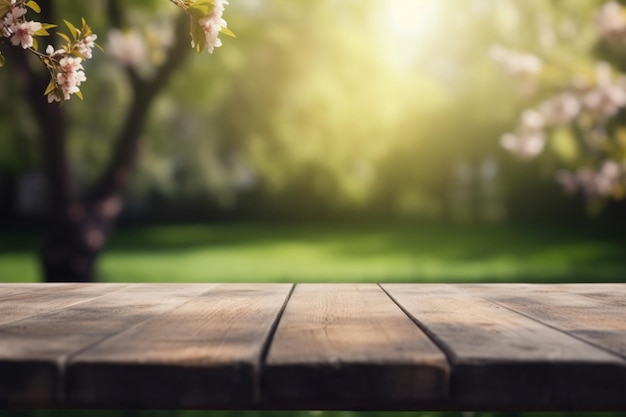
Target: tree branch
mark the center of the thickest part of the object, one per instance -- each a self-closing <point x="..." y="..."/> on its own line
<point x="125" y="155"/>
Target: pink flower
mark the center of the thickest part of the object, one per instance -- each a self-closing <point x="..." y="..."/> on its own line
<point x="23" y="33"/>
<point x="70" y="76"/>
<point x="611" y="21"/>
<point x="85" y="47"/>
<point x="213" y="24"/>
<point x="128" y="48"/>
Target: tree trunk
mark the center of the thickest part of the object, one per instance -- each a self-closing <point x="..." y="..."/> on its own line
<point x="75" y="241"/>
<point x="79" y="227"/>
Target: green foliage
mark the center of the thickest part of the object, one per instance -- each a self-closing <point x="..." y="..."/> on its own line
<point x="329" y="106"/>
<point x="332" y="253"/>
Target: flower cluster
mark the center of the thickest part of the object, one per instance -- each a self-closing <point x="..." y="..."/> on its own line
<point x="142" y="48"/>
<point x="207" y="22"/>
<point x="608" y="179"/>
<point x="129" y="48"/>
<point x="67" y="75"/>
<point x="584" y="112"/>
<point x="64" y="64"/>
<point x="213" y="24"/>
<point x="587" y="108"/>
<point x="516" y="63"/>
<point x="15" y="26"/>
<point x="611" y="22"/>
<point x="599" y="102"/>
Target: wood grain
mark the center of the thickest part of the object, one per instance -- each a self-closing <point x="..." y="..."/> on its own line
<point x="204" y="354"/>
<point x="8" y="290"/>
<point x="337" y="346"/>
<point x="610" y="293"/>
<point x="33" y="301"/>
<point x="350" y="346"/>
<point x="501" y="358"/>
<point x="33" y="351"/>
<point x="590" y="312"/>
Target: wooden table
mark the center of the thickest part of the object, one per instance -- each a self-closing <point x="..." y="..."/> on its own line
<point x="309" y="346"/>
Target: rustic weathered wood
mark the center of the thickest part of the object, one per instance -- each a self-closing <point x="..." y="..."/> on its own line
<point x="8" y="290"/>
<point x="586" y="312"/>
<point x="611" y="293"/>
<point x="20" y="305"/>
<point x="512" y="347"/>
<point x="33" y="351"/>
<point x="350" y="346"/>
<point x="501" y="358"/>
<point x="204" y="354"/>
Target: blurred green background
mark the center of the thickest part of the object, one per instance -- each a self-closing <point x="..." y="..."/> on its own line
<point x="335" y="140"/>
<point x="331" y="141"/>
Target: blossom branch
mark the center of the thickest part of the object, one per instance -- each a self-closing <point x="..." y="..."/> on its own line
<point x="65" y="64"/>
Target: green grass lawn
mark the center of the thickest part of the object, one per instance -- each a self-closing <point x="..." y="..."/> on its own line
<point x="327" y="253"/>
<point x="324" y="253"/>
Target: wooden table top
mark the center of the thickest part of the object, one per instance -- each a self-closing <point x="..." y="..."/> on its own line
<point x="313" y="346"/>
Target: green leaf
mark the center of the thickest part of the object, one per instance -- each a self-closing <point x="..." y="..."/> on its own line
<point x="65" y="37"/>
<point x="197" y="35"/>
<point x="564" y="144"/>
<point x="50" y="88"/>
<point x="33" y="6"/>
<point x="42" y="32"/>
<point x="2" y="60"/>
<point x="73" y="31"/>
<point x="228" y="32"/>
<point x="86" y="30"/>
<point x="78" y="55"/>
<point x="201" y="8"/>
<point x="79" y="94"/>
<point x="5" y="7"/>
<point x="196" y="13"/>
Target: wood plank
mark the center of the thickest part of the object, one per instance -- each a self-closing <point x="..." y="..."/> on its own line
<point x="348" y="346"/>
<point x="504" y="360"/>
<point x="608" y="293"/>
<point x="20" y="306"/>
<point x="9" y="290"/>
<point x="33" y="351"/>
<point x="204" y="354"/>
<point x="593" y="314"/>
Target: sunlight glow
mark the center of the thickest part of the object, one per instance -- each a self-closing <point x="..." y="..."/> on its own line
<point x="417" y="19"/>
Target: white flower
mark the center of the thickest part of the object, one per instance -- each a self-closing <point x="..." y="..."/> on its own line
<point x="530" y="139"/>
<point x="70" y="76"/>
<point x="524" y="145"/>
<point x="128" y="48"/>
<point x="560" y="110"/>
<point x="517" y="63"/>
<point x="212" y="29"/>
<point x="212" y="25"/>
<point x="85" y="47"/>
<point x="51" y="52"/>
<point x="532" y="121"/>
<point x="14" y="16"/>
<point x="23" y="33"/>
<point x="52" y="97"/>
<point x="611" y="21"/>
<point x="18" y="11"/>
<point x="605" y="102"/>
<point x="601" y="182"/>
